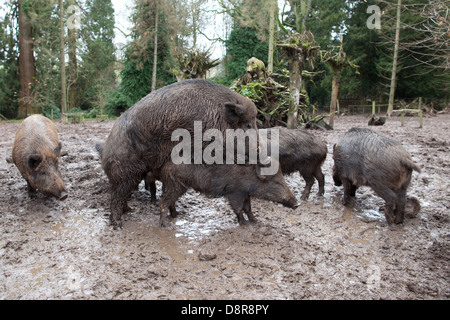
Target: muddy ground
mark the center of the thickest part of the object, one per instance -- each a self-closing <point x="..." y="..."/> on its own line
<point x="52" y="249"/>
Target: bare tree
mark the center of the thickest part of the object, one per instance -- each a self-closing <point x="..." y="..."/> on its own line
<point x="432" y="49"/>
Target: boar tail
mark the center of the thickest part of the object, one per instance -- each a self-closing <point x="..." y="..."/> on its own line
<point x="410" y="165"/>
<point x="99" y="147"/>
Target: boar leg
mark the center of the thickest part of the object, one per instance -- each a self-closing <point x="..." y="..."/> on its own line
<point x="349" y="190"/>
<point x="171" y="193"/>
<point x="389" y="210"/>
<point x="318" y="174"/>
<point x="237" y="204"/>
<point x="173" y="211"/>
<point x="118" y="207"/>
<point x="400" y="203"/>
<point x="248" y="210"/>
<point x="120" y="192"/>
<point x="309" y="179"/>
<point x="150" y="185"/>
<point x="353" y="190"/>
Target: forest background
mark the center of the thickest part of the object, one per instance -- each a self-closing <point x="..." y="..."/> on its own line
<point x="61" y="56"/>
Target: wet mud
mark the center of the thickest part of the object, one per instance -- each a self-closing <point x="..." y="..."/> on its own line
<point x="52" y="249"/>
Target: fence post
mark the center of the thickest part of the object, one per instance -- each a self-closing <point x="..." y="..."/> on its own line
<point x="420" y="117"/>
<point x="373" y="107"/>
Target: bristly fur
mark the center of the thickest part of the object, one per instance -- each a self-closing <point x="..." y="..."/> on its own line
<point x="140" y="140"/>
<point x="364" y="157"/>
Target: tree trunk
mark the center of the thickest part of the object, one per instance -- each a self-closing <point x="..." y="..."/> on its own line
<point x="73" y="66"/>
<point x="295" y="85"/>
<point x="27" y="69"/>
<point x="394" y="62"/>
<point x="62" y="61"/>
<point x="155" y="51"/>
<point x="334" y="95"/>
<point x="273" y="7"/>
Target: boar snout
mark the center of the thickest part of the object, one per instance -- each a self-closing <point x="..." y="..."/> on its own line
<point x="291" y="202"/>
<point x="59" y="192"/>
<point x="63" y="195"/>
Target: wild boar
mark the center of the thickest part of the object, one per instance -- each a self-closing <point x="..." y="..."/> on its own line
<point x="36" y="153"/>
<point x="299" y="150"/>
<point x="140" y="141"/>
<point x="363" y="157"/>
<point x="237" y="183"/>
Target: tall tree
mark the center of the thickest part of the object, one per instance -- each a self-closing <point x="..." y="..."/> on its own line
<point x="395" y="59"/>
<point x="137" y="73"/>
<point x="337" y="61"/>
<point x="253" y="33"/>
<point x="273" y="9"/>
<point x="27" y="69"/>
<point x="62" y="61"/>
<point x="299" y="48"/>
<point x="9" y="83"/>
<point x="98" y="57"/>
<point x="155" y="47"/>
<point x="72" y="36"/>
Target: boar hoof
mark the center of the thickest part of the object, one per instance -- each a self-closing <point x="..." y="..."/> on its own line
<point x="63" y="196"/>
<point x="346" y="201"/>
<point x="244" y="222"/>
<point x="116" y="222"/>
<point x="389" y="216"/>
<point x="253" y="220"/>
<point x="164" y="222"/>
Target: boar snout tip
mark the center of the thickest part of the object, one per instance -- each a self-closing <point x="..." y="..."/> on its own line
<point x="63" y="196"/>
<point x="291" y="203"/>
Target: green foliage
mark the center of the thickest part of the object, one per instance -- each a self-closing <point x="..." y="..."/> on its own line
<point x="136" y="75"/>
<point x="241" y="46"/>
<point x="97" y="75"/>
<point x="47" y="111"/>
<point x="9" y="70"/>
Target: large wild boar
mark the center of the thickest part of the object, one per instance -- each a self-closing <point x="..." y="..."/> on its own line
<point x="140" y="140"/>
<point x="299" y="150"/>
<point x="237" y="183"/>
<point x="36" y="153"/>
<point x="363" y="157"/>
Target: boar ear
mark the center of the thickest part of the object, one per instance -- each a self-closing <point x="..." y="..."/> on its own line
<point x="58" y="149"/>
<point x="34" y="160"/>
<point x="234" y="112"/>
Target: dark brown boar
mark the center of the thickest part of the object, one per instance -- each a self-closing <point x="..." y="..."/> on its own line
<point x="237" y="183"/>
<point x="364" y="157"/>
<point x="140" y="140"/>
<point x="36" y="153"/>
<point x="299" y="150"/>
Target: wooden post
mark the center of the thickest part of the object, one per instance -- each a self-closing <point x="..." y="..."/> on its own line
<point x="420" y="116"/>
<point x="402" y="118"/>
<point x="373" y="107"/>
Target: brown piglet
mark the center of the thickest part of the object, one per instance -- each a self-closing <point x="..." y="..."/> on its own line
<point x="36" y="153"/>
